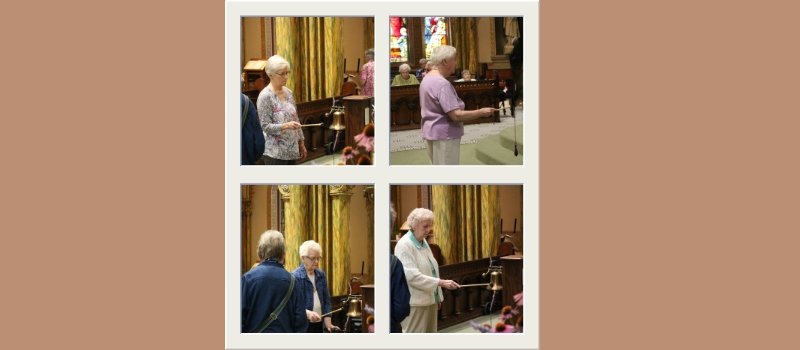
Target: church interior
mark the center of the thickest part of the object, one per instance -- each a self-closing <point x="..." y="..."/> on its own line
<point x="339" y="218"/>
<point x="477" y="241"/>
<point x="327" y="57"/>
<point x="488" y="74"/>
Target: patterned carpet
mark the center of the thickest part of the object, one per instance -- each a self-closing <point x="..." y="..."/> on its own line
<point x="412" y="139"/>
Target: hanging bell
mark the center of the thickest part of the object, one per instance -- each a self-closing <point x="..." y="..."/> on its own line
<point x="354" y="306"/>
<point x="495" y="280"/>
<point x="338" y="121"/>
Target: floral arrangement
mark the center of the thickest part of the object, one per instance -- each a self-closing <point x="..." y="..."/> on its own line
<point x="370" y="321"/>
<point x="361" y="154"/>
<point x="506" y="323"/>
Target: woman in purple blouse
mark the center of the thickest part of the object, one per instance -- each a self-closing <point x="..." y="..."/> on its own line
<point x="443" y="113"/>
<point x="278" y="115"/>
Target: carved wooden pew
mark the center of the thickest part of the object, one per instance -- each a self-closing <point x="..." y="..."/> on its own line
<point x="405" y="109"/>
<point x="466" y="303"/>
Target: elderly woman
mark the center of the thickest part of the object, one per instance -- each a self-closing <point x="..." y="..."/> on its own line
<point x="266" y="286"/>
<point x="443" y="113"/>
<point x="278" y="114"/>
<point x="368" y="74"/>
<point x="315" y="288"/>
<point x="405" y="78"/>
<point x="465" y="76"/>
<point x="423" y="64"/>
<point x="422" y="274"/>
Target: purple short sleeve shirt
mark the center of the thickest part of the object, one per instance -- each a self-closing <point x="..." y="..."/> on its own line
<point x="437" y="97"/>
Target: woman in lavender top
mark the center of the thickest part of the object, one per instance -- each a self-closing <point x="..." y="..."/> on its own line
<point x="443" y="113"/>
<point x="278" y="115"/>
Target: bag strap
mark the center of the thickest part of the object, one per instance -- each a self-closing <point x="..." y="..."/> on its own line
<point x="274" y="315"/>
<point x="246" y="102"/>
<point x="394" y="263"/>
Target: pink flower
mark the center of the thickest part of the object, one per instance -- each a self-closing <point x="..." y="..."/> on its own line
<point x="366" y="139"/>
<point x="518" y="298"/>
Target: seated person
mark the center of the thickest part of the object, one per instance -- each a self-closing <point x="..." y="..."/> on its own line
<point x="466" y="76"/>
<point x="404" y="78"/>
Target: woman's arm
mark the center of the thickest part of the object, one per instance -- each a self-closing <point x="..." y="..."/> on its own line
<point x="460" y="115"/>
<point x="414" y="277"/>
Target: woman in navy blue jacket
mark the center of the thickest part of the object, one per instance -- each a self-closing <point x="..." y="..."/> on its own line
<point x="314" y="285"/>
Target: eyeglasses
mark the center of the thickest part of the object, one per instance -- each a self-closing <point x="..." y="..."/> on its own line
<point x="284" y="74"/>
<point x="318" y="258"/>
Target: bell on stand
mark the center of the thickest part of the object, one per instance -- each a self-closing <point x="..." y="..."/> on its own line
<point x="354" y="306"/>
<point x="335" y="121"/>
<point x="495" y="284"/>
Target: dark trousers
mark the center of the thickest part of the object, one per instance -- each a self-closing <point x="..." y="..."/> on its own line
<point x="315" y="327"/>
<point x="272" y="161"/>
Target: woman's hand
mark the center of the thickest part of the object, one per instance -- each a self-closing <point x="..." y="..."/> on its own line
<point x="312" y="316"/>
<point x="303" y="151"/>
<point x="486" y="112"/>
<point x="290" y="125"/>
<point x="448" y="284"/>
<point x="330" y="327"/>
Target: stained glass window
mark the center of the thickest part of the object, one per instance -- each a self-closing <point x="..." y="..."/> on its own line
<point x="398" y="43"/>
<point x="435" y="34"/>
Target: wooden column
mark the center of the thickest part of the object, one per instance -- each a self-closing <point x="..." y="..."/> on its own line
<point x="512" y="277"/>
<point x="369" y="194"/>
<point x="340" y="195"/>
<point x="367" y="299"/>
<point x="296" y="226"/>
<point x="355" y="108"/>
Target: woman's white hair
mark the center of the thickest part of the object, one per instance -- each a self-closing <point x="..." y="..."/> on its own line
<point x="370" y="53"/>
<point x="308" y="246"/>
<point x="418" y="215"/>
<point x="276" y="63"/>
<point x="441" y="53"/>
<point x="405" y="67"/>
<point x="466" y="71"/>
<point x="271" y="246"/>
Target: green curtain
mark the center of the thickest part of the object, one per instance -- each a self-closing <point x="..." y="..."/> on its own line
<point x="321" y="213"/>
<point x="466" y="221"/>
<point x="464" y="36"/>
<point x="313" y="47"/>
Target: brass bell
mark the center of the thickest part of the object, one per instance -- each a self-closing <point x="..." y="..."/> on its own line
<point x="495" y="280"/>
<point x="354" y="306"/>
<point x="338" y="121"/>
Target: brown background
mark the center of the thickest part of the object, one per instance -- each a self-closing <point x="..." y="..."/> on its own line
<point x="669" y="175"/>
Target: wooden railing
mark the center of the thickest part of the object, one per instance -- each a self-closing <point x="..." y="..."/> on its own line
<point x="464" y="304"/>
<point x="405" y="108"/>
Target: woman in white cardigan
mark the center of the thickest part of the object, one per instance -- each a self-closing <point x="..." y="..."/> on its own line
<point x="422" y="274"/>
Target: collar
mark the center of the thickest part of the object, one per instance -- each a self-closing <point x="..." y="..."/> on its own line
<point x="414" y="240"/>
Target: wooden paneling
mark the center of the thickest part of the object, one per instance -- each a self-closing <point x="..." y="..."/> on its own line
<point x="405" y="108"/>
<point x="464" y="304"/>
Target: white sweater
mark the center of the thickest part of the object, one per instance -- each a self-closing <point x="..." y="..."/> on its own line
<point x="418" y="264"/>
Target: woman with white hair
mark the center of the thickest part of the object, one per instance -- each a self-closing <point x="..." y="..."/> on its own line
<point x="267" y="288"/>
<point x="405" y="78"/>
<point x="443" y="113"/>
<point x="465" y="76"/>
<point x="314" y="284"/>
<point x="368" y="74"/>
<point x="422" y="274"/>
<point x="279" y="120"/>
